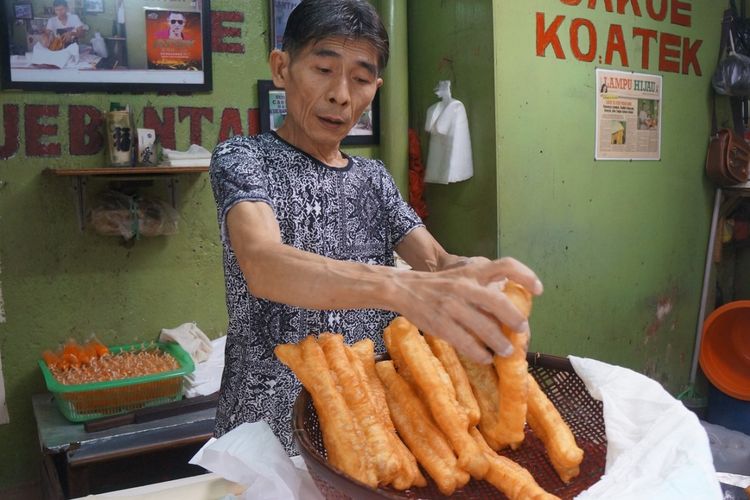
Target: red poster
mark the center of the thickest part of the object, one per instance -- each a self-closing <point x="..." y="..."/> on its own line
<point x="174" y="40"/>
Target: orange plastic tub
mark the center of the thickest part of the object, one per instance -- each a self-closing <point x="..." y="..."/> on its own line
<point x="725" y="349"/>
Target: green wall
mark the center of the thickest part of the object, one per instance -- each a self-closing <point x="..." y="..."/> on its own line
<point x="620" y="245"/>
<point x="57" y="282"/>
<point x="453" y="41"/>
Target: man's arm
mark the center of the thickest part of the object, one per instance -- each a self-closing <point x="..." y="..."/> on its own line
<point x="423" y="252"/>
<point x="461" y="305"/>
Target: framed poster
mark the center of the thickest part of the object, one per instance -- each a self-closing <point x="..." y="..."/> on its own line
<point x="93" y="6"/>
<point x="280" y="10"/>
<point x="172" y="38"/>
<point x="628" y="115"/>
<point x="145" y="48"/>
<point x="23" y="10"/>
<point x="272" y="111"/>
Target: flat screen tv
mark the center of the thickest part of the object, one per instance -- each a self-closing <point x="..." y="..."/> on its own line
<point x="106" y="45"/>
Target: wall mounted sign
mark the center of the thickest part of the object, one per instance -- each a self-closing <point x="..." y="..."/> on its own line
<point x="611" y="41"/>
<point x="628" y="115"/>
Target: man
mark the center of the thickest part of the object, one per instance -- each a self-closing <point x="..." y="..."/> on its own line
<point x="68" y="27"/>
<point x="175" y="29"/>
<point x="309" y="233"/>
<point x="176" y="22"/>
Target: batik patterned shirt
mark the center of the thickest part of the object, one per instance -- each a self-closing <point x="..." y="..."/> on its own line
<point x="354" y="213"/>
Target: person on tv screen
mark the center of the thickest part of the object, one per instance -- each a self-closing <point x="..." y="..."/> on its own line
<point x="62" y="29"/>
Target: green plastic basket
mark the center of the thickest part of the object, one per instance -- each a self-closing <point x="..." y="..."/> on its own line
<point x="82" y="402"/>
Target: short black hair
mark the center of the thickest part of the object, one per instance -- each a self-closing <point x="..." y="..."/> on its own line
<point x="314" y="20"/>
<point x="60" y="3"/>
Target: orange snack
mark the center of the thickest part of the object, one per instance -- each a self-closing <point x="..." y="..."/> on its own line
<point x="548" y="425"/>
<point x="409" y="473"/>
<point x="483" y="380"/>
<point x="365" y="351"/>
<point x="449" y="359"/>
<point x="122" y="365"/>
<point x="440" y="395"/>
<point x="101" y="349"/>
<point x="512" y="374"/>
<point x="50" y="358"/>
<point x="509" y="477"/>
<point x="98" y="348"/>
<point x="418" y="430"/>
<point x="343" y="439"/>
<point x="353" y="386"/>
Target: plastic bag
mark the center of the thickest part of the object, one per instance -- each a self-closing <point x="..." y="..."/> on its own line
<point x="119" y="214"/>
<point x="732" y="75"/>
<point x="740" y="27"/>
<point x="730" y="449"/>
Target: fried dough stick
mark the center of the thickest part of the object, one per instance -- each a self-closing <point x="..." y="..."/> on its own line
<point x="449" y="359"/>
<point x="416" y="427"/>
<point x="356" y="393"/>
<point x="509" y="477"/>
<point x="409" y="474"/>
<point x="483" y="380"/>
<point x="365" y="351"/>
<point x="437" y="389"/>
<point x="511" y="374"/>
<point x="548" y="425"/>
<point x="344" y="441"/>
<point x="393" y="347"/>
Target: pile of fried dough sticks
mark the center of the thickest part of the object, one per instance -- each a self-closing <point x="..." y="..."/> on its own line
<point x="427" y="405"/>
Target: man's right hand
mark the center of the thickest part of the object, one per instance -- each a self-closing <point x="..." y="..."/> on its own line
<point x="465" y="305"/>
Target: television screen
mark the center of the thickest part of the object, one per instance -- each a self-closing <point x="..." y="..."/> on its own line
<point x="107" y="45"/>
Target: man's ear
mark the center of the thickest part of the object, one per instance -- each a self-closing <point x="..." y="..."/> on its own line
<point x="279" y="63"/>
<point x="380" y="82"/>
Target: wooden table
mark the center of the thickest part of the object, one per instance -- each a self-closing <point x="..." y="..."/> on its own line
<point x="77" y="463"/>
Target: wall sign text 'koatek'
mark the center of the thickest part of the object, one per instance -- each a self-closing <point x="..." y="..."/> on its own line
<point x="588" y="42"/>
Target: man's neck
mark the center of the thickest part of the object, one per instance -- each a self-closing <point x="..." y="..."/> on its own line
<point x="329" y="154"/>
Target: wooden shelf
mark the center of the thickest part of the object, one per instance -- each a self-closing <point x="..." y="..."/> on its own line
<point x="79" y="177"/>
<point x="72" y="172"/>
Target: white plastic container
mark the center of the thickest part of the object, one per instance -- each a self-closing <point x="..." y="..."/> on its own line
<point x="99" y="46"/>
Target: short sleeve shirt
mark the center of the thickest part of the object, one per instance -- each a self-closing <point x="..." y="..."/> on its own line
<point x="353" y="213"/>
<point x="55" y="25"/>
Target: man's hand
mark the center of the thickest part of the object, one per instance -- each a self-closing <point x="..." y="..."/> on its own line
<point x="465" y="304"/>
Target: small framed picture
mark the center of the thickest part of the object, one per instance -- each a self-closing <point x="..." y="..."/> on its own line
<point x="271" y="106"/>
<point x="272" y="111"/>
<point x="23" y="10"/>
<point x="367" y="128"/>
<point x="280" y="10"/>
<point x="93" y="6"/>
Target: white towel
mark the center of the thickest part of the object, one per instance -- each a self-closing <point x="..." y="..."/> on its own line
<point x="198" y="162"/>
<point x="193" y="152"/>
<point x="61" y="58"/>
<point x="191" y="338"/>
<point x="206" y="379"/>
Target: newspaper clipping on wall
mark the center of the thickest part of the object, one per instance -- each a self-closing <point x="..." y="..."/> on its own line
<point x="628" y="115"/>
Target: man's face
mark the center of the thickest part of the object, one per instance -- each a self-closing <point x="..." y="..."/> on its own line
<point x="60" y="11"/>
<point x="176" y="25"/>
<point x="328" y="86"/>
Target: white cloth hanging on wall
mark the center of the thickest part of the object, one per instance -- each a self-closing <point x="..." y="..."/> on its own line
<point x="449" y="154"/>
